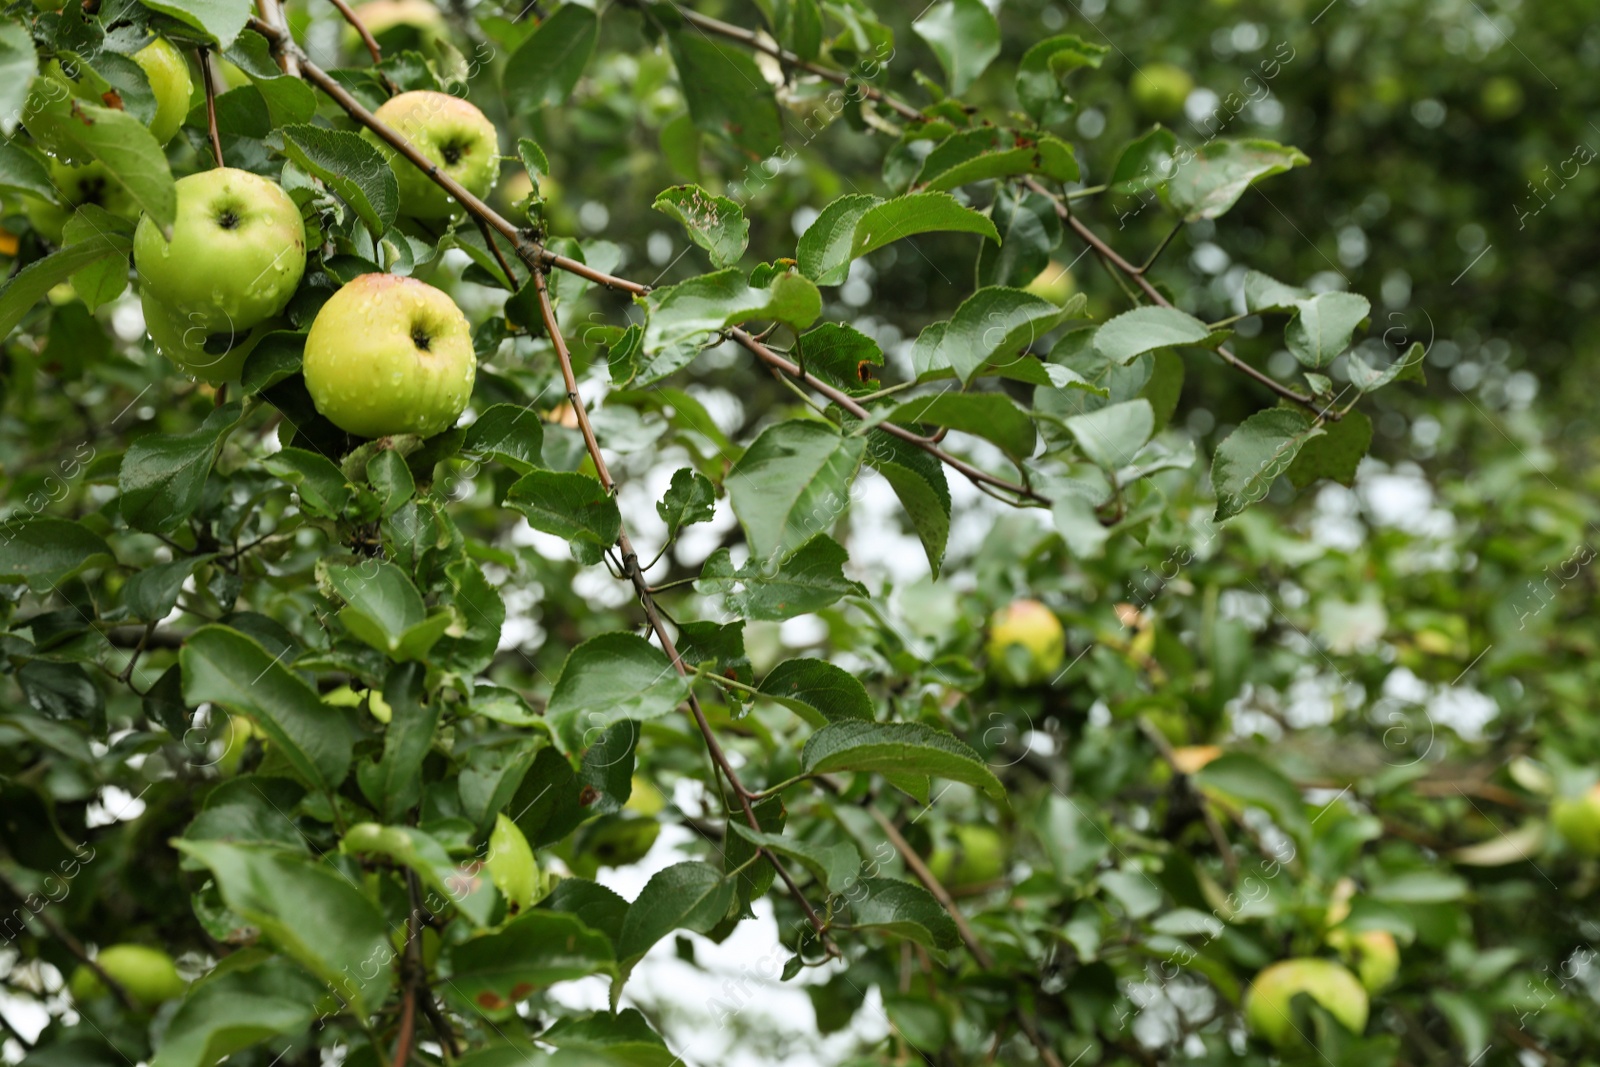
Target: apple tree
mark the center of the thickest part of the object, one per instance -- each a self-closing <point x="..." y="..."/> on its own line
<point x="503" y="499"/>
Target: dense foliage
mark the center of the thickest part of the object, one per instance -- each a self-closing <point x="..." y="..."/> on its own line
<point x="1027" y="531"/>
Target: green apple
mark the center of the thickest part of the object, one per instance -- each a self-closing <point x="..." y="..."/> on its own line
<point x="237" y="252"/>
<point x="390" y="355"/>
<point x="148" y="974"/>
<point x="1336" y="990"/>
<point x="91" y="183"/>
<point x="211" y="356"/>
<point x="511" y="865"/>
<point x="397" y="25"/>
<point x="979" y="856"/>
<point x="453" y="134"/>
<point x="1026" y="643"/>
<point x="1055" y="283"/>
<point x="1374" y="953"/>
<point x="1160" y="89"/>
<point x="1578" y="820"/>
<point x="169" y="79"/>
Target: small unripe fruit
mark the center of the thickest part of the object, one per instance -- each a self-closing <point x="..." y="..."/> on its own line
<point x="148" y="974"/>
<point x="1577" y="819"/>
<point x="1374" y="953"/>
<point x="1267" y="1006"/>
<point x="237" y="252"/>
<point x="91" y="183"/>
<point x="390" y="355"/>
<point x="511" y="865"/>
<point x="979" y="856"/>
<point x="1055" y="283"/>
<point x="453" y="134"/>
<point x="169" y="79"/>
<point x="1026" y="643"/>
<point x="1160" y="89"/>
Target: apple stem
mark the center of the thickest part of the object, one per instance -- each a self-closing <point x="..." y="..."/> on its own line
<point x="208" y="76"/>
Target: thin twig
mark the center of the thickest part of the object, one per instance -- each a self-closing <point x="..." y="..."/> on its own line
<point x="641" y="588"/>
<point x="755" y="42"/>
<point x="1110" y="256"/>
<point x="211" y="104"/>
<point x="361" y="28"/>
<point x="964" y="928"/>
<point x="272" y="14"/>
<point x="1218" y="837"/>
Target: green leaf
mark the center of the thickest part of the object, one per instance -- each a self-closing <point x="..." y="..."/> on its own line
<point x="394" y="784"/>
<point x="1111" y="436"/>
<point x="1242" y="777"/>
<point x="45" y="551"/>
<point x="1146" y="329"/>
<point x="1029" y="229"/>
<point x="607" y="679"/>
<point x="220" y="20"/>
<point x="289" y="100"/>
<point x="897" y="748"/>
<point x="547" y="65"/>
<point x="792" y="483"/>
<point x="1321" y="328"/>
<point x="715" y="223"/>
<point x="833" y="866"/>
<point x="534" y="951"/>
<point x="382" y="606"/>
<point x="965" y="37"/>
<point x="1145" y="162"/>
<point x="230" y="1010"/>
<point x="1335" y="453"/>
<point x="993" y="416"/>
<point x="1407" y="368"/>
<point x="534" y="161"/>
<point x="19" y="62"/>
<point x="224" y="666"/>
<point x="989" y="152"/>
<point x="78" y="132"/>
<point x="391" y="479"/>
<point x="1042" y="75"/>
<point x="467" y="887"/>
<point x="992" y="328"/>
<point x="818" y="691"/>
<point x="683" y="318"/>
<point x="918" y="480"/>
<point x="624" y="1038"/>
<point x="321" y="486"/>
<point x="62" y="691"/>
<point x="691" y="498"/>
<point x="568" y="505"/>
<point x="1250" y="459"/>
<point x="28" y="286"/>
<point x="310" y="913"/>
<point x="153" y="592"/>
<point x="686" y="896"/>
<point x="853" y="226"/>
<point x="22" y="171"/>
<point x="1264" y="293"/>
<point x="807" y="580"/>
<point x="1211" y="180"/>
<point x="841" y="355"/>
<point x="904" y="910"/>
<point x="726" y="92"/>
<point x="352" y="167"/>
<point x="162" y="476"/>
<point x="510" y="433"/>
